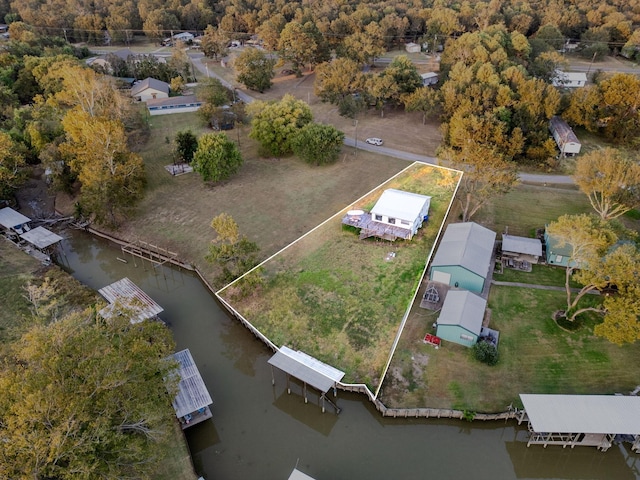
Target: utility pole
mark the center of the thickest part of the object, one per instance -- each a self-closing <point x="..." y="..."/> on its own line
<point x="355" y="153"/>
<point x="592" y="60"/>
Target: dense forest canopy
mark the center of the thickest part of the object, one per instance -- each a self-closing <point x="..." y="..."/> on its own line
<point x="612" y="21"/>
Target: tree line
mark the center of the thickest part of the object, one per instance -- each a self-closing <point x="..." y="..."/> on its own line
<point x="594" y="22"/>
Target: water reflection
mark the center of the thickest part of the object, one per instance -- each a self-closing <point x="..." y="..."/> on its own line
<point x="260" y="432"/>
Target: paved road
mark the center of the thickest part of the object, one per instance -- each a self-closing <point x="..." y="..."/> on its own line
<point x="390" y="152"/>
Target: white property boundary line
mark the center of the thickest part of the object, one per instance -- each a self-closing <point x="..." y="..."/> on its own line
<point x="373" y="396"/>
<point x="415" y="294"/>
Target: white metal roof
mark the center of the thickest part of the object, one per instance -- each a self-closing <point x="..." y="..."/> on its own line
<point x="126" y="294"/>
<point x="528" y="246"/>
<point x="400" y="204"/>
<point x="192" y="392"/>
<point x="298" y="475"/>
<point x="606" y="414"/>
<point x="306" y="368"/>
<point x="563" y="77"/>
<point x="9" y="218"/>
<point x="428" y="75"/>
<point x="466" y="244"/>
<point x="463" y="308"/>
<point x="41" y="237"/>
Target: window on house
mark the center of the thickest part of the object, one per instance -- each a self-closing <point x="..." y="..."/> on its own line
<point x="558" y="258"/>
<point x="379" y="218"/>
<point x="392" y="220"/>
<point x="468" y="338"/>
<point x="404" y="222"/>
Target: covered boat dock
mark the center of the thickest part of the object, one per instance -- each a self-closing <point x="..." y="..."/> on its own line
<point x="126" y="295"/>
<point x="193" y="400"/>
<point x="309" y="370"/>
<point x="583" y="420"/>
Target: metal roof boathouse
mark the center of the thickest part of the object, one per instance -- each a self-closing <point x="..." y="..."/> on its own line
<point x="309" y="370"/>
<point x="193" y="400"/>
<point x="126" y="295"/>
<point x="583" y="420"/>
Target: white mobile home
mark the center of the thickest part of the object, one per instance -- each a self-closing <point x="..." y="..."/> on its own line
<point x="563" y="134"/>
<point x="569" y="79"/>
<point x="401" y="209"/>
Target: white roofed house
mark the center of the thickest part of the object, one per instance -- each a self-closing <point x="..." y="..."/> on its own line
<point x="563" y="79"/>
<point x="429" y="78"/>
<point x="461" y="317"/>
<point x="564" y="136"/>
<point x="396" y="214"/>
<point x="150" y="89"/>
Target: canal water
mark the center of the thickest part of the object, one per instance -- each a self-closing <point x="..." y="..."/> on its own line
<point x="258" y="431"/>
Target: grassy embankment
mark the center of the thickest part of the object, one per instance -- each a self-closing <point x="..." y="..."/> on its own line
<point x="17" y="270"/>
<point x="341" y="299"/>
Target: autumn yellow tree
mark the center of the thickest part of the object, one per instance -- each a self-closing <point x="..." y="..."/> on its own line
<point x="11" y="166"/>
<point x="112" y="177"/>
<point x="610" y="180"/>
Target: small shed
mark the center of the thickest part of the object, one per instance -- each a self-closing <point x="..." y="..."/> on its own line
<point x="556" y="254"/>
<point x="464" y="256"/>
<point x="14" y="221"/>
<point x="193" y="399"/>
<point x="150" y="89"/>
<point x="126" y="295"/>
<point x="402" y="209"/>
<point x="461" y="317"/>
<point x="564" y="136"/>
<point x="41" y="238"/>
<point x="179" y="104"/>
<point x="412" y="47"/>
<point x="429" y="78"/>
<point x="569" y="79"/>
<point x="518" y="252"/>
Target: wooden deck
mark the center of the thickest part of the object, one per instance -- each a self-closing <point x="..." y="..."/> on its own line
<point x="370" y="228"/>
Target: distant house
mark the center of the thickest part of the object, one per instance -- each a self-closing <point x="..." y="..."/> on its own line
<point x="402" y="209"/>
<point x="461" y="317"/>
<point x="104" y="60"/>
<point x="563" y="134"/>
<point x="412" y="47"/>
<point x="429" y="78"/>
<point x="150" y="89"/>
<point x="178" y="37"/>
<point x="569" y="79"/>
<point x="179" y="104"/>
<point x="464" y="256"/>
<point x="520" y="252"/>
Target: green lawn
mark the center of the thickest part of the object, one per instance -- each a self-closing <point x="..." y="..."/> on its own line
<point x="530" y="207"/>
<point x="536" y="356"/>
<point x="540" y="275"/>
<point x="341" y="299"/>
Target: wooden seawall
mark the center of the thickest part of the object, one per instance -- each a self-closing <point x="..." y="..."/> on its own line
<point x="356" y="388"/>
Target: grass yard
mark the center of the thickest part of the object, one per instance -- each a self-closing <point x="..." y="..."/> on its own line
<point x="536" y="356"/>
<point x="341" y="299"/>
<point x="529" y="207"/>
<point x="274" y="201"/>
<point x="540" y="275"/>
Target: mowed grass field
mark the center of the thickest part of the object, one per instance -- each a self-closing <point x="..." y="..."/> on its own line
<point x="341" y="299"/>
<point x="536" y="356"/>
<point x="274" y="201"/>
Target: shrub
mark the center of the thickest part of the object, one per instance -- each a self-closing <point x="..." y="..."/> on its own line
<point x="485" y="352"/>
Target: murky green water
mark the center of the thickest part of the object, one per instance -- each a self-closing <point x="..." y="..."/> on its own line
<point x="260" y="432"/>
